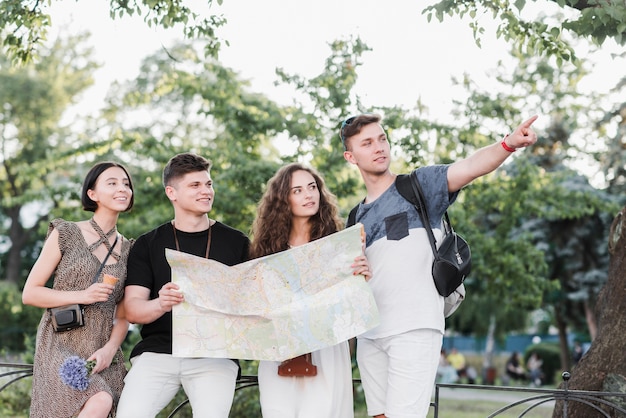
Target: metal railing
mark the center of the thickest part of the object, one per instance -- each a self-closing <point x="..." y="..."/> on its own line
<point x="534" y="397"/>
<point x="16" y="372"/>
<point x="537" y="397"/>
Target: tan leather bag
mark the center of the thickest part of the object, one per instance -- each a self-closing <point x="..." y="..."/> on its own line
<point x="298" y="366"/>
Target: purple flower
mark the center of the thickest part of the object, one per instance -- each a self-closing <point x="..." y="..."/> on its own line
<point x="75" y="372"/>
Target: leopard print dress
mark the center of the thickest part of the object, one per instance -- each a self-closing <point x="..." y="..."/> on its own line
<point x="76" y="270"/>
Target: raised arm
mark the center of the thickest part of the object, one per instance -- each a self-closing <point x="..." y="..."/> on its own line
<point x="488" y="158"/>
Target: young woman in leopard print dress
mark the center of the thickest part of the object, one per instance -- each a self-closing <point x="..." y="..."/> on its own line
<point x="73" y="253"/>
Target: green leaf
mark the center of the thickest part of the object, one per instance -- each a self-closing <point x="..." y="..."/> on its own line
<point x="555" y="32"/>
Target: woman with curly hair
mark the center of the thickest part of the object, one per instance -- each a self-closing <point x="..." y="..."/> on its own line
<point x="296" y="209"/>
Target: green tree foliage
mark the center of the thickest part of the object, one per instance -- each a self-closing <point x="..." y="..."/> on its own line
<point x="555" y="208"/>
<point x="15" y="399"/>
<point x="315" y="120"/>
<point x="24" y="23"/>
<point x="17" y="319"/>
<point x="183" y="102"/>
<point x="612" y="127"/>
<point x="35" y="147"/>
<point x="593" y="19"/>
<point x="192" y="104"/>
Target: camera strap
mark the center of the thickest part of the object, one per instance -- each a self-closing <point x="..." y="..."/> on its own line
<point x="95" y="278"/>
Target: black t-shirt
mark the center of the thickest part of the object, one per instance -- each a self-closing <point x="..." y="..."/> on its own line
<point x="148" y="267"/>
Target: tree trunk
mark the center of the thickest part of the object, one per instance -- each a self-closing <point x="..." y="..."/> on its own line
<point x="16" y="235"/>
<point x="604" y="364"/>
<point x="591" y="321"/>
<point x="563" y="345"/>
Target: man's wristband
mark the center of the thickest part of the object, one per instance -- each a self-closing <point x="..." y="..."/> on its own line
<point x="505" y="146"/>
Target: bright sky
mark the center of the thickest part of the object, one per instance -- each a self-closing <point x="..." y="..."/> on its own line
<point x="411" y="58"/>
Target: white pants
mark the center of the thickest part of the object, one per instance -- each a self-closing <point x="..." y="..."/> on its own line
<point x="154" y="379"/>
<point x="398" y="372"/>
<point x="327" y="395"/>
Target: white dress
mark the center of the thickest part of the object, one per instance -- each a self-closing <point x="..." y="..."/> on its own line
<point x="328" y="394"/>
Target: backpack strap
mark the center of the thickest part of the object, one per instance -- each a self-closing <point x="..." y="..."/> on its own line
<point x="352" y="216"/>
<point x="403" y="184"/>
<point x="419" y="194"/>
<point x="409" y="188"/>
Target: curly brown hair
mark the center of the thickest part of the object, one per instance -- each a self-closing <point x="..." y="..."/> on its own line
<point x="272" y="225"/>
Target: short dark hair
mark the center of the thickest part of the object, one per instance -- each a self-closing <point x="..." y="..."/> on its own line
<point x="184" y="163"/>
<point x="354" y="124"/>
<point x="90" y="182"/>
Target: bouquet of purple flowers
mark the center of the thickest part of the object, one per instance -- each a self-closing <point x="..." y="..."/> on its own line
<point x="75" y="372"/>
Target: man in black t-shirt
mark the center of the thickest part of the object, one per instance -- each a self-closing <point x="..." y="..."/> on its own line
<point x="156" y="376"/>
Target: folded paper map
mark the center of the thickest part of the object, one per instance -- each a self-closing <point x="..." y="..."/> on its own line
<point x="275" y="307"/>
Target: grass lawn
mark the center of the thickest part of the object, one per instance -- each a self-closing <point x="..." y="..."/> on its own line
<point x="455" y="408"/>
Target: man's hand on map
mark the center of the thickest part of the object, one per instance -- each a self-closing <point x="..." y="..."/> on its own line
<point x="170" y="295"/>
<point x="361" y="266"/>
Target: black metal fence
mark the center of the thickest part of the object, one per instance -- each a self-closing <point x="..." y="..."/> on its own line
<point x="530" y="399"/>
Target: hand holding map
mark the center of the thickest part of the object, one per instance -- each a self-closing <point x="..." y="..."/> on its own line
<point x="275" y="307"/>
